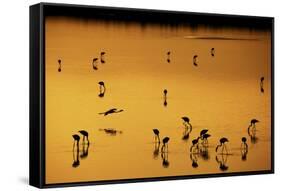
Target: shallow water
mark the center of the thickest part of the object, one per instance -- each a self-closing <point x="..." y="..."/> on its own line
<point x="222" y="95"/>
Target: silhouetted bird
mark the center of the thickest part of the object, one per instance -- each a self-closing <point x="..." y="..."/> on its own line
<point x="165" y="144"/>
<point x="156" y="150"/>
<point x="111" y="111"/>
<point x="156" y="133"/>
<point x="165" y="97"/>
<point x="76" y="139"/>
<point x="194" y="160"/>
<point x="94" y="63"/>
<point x="205" y="138"/>
<point x="102" y="89"/>
<point x="222" y="144"/>
<point x="102" y="57"/>
<point x="186" y="121"/>
<point x="195" y="60"/>
<point x="252" y="125"/>
<point x="213" y="52"/>
<point x="59" y="61"/>
<point x="261" y="84"/>
<point x="222" y="162"/>
<point x="194" y="144"/>
<point x="168" y="56"/>
<point x="85" y="134"/>
<point x="244" y="145"/>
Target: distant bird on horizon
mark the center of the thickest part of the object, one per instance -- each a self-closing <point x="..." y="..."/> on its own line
<point x="186" y="121"/>
<point x="94" y="63"/>
<point x="59" y="61"/>
<point x="85" y="134"/>
<point x="195" y="60"/>
<point x="111" y="111"/>
<point x="156" y="133"/>
<point x="222" y="144"/>
<point x="213" y="52"/>
<point x="168" y="56"/>
<point x="164" y="147"/>
<point x="102" y="57"/>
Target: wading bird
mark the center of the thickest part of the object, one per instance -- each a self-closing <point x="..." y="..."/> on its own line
<point x="156" y="135"/>
<point x="102" y="89"/>
<point x="59" y="61"/>
<point x="213" y="52"/>
<point x="76" y="139"/>
<point x="195" y="60"/>
<point x="195" y="145"/>
<point x="168" y="56"/>
<point x="85" y="134"/>
<point x="102" y="57"/>
<point x="165" y="97"/>
<point x="94" y="63"/>
<point x="222" y="144"/>
<point x="186" y="121"/>
<point x="261" y="84"/>
<point x="244" y="145"/>
<point x="111" y="111"/>
<point x="164" y="147"/>
<point x="252" y="125"/>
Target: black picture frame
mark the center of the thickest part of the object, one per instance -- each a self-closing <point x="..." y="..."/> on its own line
<point x="144" y="16"/>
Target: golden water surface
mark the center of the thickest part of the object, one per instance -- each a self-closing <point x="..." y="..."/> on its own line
<point x="222" y="94"/>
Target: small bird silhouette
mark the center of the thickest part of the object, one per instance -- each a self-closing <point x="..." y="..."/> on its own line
<point x="111" y="111"/>
<point x="195" y="145"/>
<point x="156" y="133"/>
<point x="195" y="60"/>
<point x="164" y="147"/>
<point x="76" y="139"/>
<point x="59" y="61"/>
<point x="168" y="56"/>
<point x="94" y="63"/>
<point x="261" y="84"/>
<point x="165" y="97"/>
<point x="102" y="57"/>
<point x="244" y="145"/>
<point x="85" y="134"/>
<point x="102" y="89"/>
<point x="186" y="121"/>
<point x="213" y="52"/>
<point x="222" y="144"/>
<point x="252" y="125"/>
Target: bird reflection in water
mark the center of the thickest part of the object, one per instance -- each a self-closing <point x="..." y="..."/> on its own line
<point x="186" y="133"/>
<point x="204" y="152"/>
<point x="75" y="151"/>
<point x="85" y="150"/>
<point x="111" y="131"/>
<point x="222" y="160"/>
<point x="156" y="150"/>
<point x="194" y="159"/>
<point x="165" y="161"/>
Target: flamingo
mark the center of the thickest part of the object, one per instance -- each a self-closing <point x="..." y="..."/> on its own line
<point x="165" y="144"/>
<point x="85" y="134"/>
<point x="156" y="133"/>
<point x="222" y="144"/>
<point x="102" y="89"/>
<point x="165" y="97"/>
<point x="195" y="60"/>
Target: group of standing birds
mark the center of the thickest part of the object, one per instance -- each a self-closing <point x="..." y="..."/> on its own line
<point x="165" y="141"/>
<point x="76" y="138"/>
